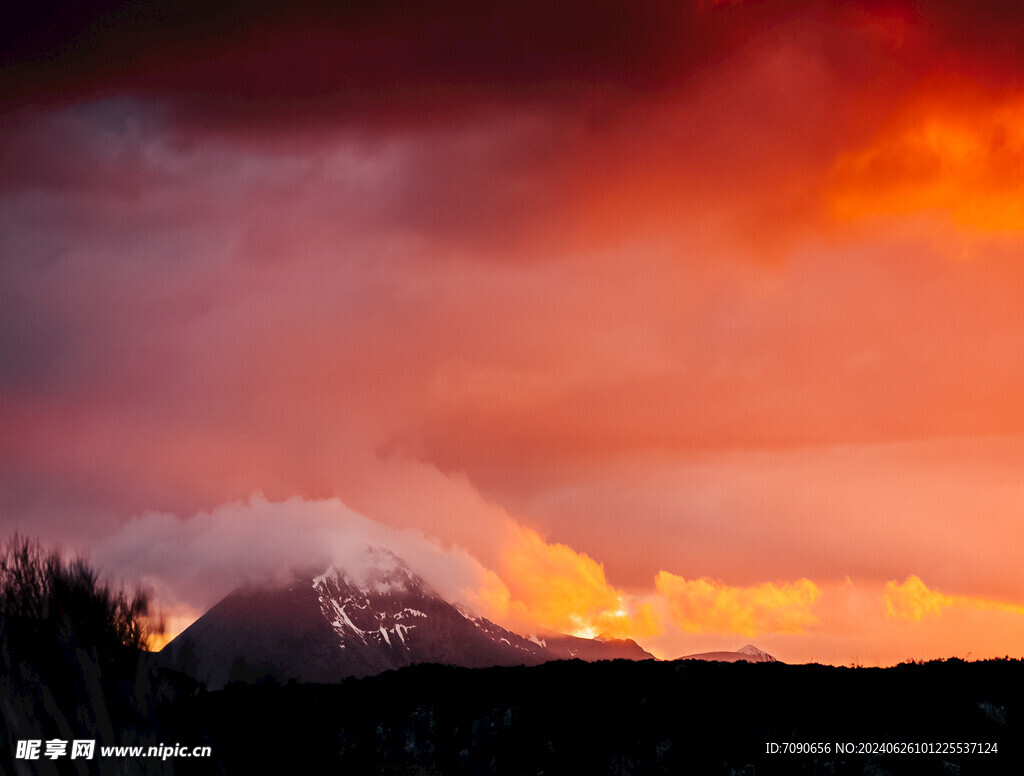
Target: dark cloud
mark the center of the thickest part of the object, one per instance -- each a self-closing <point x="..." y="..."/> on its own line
<point x="267" y="65"/>
<point x="978" y="39"/>
<point x="379" y="60"/>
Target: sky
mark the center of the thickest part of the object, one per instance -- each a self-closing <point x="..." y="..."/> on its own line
<point x="699" y="323"/>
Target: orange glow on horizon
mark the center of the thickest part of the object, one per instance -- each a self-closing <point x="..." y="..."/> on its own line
<point x="174" y="621"/>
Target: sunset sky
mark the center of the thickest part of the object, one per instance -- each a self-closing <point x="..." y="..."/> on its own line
<point x="700" y="323"/>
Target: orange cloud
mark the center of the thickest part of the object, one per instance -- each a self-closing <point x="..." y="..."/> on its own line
<point x="914" y="600"/>
<point x="951" y="151"/>
<point x="553" y="586"/>
<point x="710" y="606"/>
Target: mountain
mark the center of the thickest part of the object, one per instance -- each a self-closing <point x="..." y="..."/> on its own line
<point x="749" y="653"/>
<point x="604" y="647"/>
<point x="377" y="615"/>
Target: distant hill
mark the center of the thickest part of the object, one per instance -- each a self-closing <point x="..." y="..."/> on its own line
<point x="750" y="653"/>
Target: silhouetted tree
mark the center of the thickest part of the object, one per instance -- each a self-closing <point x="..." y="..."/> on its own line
<point x="37" y="584"/>
<point x="72" y="663"/>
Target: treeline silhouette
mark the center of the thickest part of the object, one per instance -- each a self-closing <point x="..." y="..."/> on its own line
<point x="621" y="718"/>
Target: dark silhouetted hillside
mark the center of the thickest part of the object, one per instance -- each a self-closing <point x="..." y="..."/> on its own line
<point x="618" y="717"/>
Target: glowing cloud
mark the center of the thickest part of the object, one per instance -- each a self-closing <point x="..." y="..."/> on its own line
<point x="710" y="606"/>
<point x="957" y="153"/>
<point x="555" y="587"/>
<point x="258" y="539"/>
<point x="914" y="600"/>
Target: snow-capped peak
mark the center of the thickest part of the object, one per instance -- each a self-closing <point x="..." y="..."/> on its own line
<point x="368" y="601"/>
<point x="376" y="570"/>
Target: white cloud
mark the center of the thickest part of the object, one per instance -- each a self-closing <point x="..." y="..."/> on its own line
<point x="195" y="561"/>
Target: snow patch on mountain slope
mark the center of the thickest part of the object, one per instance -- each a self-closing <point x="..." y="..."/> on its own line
<point x="343" y="596"/>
